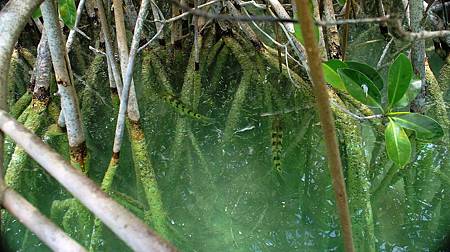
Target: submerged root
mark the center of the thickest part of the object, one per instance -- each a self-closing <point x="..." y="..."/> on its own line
<point x="21" y="104"/>
<point x="19" y="76"/>
<point x="358" y="182"/>
<point x="19" y="160"/>
<point x="156" y="216"/>
<point x="240" y="95"/>
<point x="96" y="237"/>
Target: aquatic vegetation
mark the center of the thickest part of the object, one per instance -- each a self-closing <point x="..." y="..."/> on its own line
<point x="227" y="153"/>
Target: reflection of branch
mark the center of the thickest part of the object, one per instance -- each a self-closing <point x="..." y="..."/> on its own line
<point x="278" y="44"/>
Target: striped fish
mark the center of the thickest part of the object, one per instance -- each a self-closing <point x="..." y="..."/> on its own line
<point x="277" y="141"/>
<point x="182" y="108"/>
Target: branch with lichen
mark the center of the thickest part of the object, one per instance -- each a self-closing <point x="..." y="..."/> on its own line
<point x="66" y="89"/>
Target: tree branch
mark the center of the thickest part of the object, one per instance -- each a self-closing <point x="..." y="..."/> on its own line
<point x="327" y="122"/>
<point x="128" y="227"/>
<point x="34" y="220"/>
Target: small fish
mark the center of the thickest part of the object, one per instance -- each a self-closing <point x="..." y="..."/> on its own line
<point x="277" y="141"/>
<point x="182" y="108"/>
<point x="250" y="127"/>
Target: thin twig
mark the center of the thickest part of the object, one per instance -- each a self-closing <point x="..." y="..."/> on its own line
<point x="77" y="21"/>
<point x="129" y="75"/>
<point x="201" y="13"/>
<point x="97" y="51"/>
<point x="109" y="45"/>
<point x="385" y="51"/>
<point x="189" y="13"/>
<point x="252" y="2"/>
<point x="81" y="33"/>
<point x="151" y="40"/>
<point x="353" y="21"/>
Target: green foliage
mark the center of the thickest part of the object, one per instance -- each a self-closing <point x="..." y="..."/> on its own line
<point x="365" y="84"/>
<point x="368" y="71"/>
<point x="397" y="144"/>
<point x="332" y="77"/>
<point x="425" y="127"/>
<point x="360" y="87"/>
<point x="400" y="74"/>
<point x="67" y="12"/>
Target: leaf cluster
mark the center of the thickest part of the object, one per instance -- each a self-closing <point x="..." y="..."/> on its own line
<point x="367" y="86"/>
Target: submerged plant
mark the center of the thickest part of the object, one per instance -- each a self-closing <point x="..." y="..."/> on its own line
<point x="389" y="102"/>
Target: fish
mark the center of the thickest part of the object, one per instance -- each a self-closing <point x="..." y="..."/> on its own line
<point x="277" y="143"/>
<point x="250" y="127"/>
<point x="182" y="108"/>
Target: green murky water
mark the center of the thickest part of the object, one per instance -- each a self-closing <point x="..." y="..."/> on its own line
<point x="225" y="195"/>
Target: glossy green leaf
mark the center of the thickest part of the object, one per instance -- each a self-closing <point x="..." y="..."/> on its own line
<point x="425" y="127"/>
<point x="332" y="77"/>
<point x="360" y="87"/>
<point x="369" y="71"/>
<point x="335" y="64"/>
<point x="400" y="74"/>
<point x="398" y="146"/>
<point x="68" y="12"/>
<point x="411" y="93"/>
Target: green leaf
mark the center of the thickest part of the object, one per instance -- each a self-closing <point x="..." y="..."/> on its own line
<point x="298" y="28"/>
<point x="335" y="64"/>
<point x="400" y="74"/>
<point x="357" y="84"/>
<point x="398" y="146"/>
<point x="37" y="13"/>
<point x="413" y="90"/>
<point x="369" y="71"/>
<point x="425" y="127"/>
<point x="68" y="12"/>
<point x="332" y="77"/>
